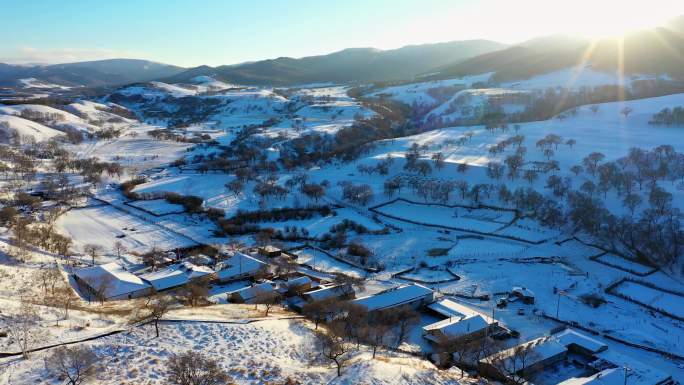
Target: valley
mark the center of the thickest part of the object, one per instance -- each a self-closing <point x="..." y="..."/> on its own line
<point x="457" y="227"/>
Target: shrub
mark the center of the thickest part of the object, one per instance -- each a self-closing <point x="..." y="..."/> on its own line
<point x="594" y="300"/>
<point x="358" y="249"/>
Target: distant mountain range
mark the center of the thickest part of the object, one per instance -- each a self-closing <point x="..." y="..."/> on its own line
<point x="658" y="51"/>
<point x="655" y="51"/>
<point x="90" y="73"/>
<point x="349" y="65"/>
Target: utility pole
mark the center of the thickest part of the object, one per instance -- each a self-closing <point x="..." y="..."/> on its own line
<point x="626" y="369"/>
<point x="560" y="292"/>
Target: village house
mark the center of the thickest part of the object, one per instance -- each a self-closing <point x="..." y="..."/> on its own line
<point x="413" y="295"/>
<point x="238" y="266"/>
<point x="176" y="275"/>
<point x="296" y="286"/>
<point x="253" y="294"/>
<point x="462" y="322"/>
<point x="110" y="282"/>
<point x="519" y="361"/>
<point x="327" y="293"/>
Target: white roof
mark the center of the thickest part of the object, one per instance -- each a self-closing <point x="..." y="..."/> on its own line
<point x="455" y="327"/>
<point x="239" y="264"/>
<point x="175" y="275"/>
<point x="118" y="281"/>
<point x="569" y="336"/>
<point x="329" y="292"/>
<point x="250" y="292"/>
<point x="638" y="373"/>
<point x="613" y="376"/>
<point x="523" y="290"/>
<point x="450" y="308"/>
<point x="299" y="281"/>
<point x="543" y="348"/>
<point x="394" y="297"/>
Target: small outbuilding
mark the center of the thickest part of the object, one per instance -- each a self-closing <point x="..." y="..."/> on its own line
<point x="296" y="286"/>
<point x="462" y="322"/>
<point x="270" y="251"/>
<point x="524" y="294"/>
<point x="253" y="294"/>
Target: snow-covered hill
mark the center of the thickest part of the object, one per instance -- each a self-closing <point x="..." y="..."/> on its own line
<point x="10" y="124"/>
<point x="58" y="119"/>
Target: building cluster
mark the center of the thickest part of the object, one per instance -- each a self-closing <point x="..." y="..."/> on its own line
<point x="569" y="357"/>
<point x="566" y="357"/>
<point x="112" y="281"/>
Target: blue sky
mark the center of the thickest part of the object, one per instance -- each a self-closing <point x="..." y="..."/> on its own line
<point x="214" y="32"/>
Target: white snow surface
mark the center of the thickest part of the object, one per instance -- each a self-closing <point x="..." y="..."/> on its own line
<point x="27" y="128"/>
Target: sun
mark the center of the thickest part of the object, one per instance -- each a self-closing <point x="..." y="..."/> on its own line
<point x="602" y="19"/>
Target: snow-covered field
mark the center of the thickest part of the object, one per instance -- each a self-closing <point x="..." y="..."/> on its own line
<point x="26" y="128"/>
<point x="271" y="351"/>
<point x="458" y="218"/>
<point x="658" y="299"/>
<point x="158" y="206"/>
<point x="105" y="225"/>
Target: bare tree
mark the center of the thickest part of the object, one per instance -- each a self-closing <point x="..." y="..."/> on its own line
<point x="119" y="249"/>
<point x="196" y="292"/>
<point x="65" y="298"/>
<point x="268" y="300"/>
<point x="154" y="257"/>
<point x="334" y="348"/>
<point x="518" y="359"/>
<point x="24" y="327"/>
<point x="235" y="186"/>
<point x="404" y="318"/>
<point x="100" y="285"/>
<point x="155" y="308"/>
<point x="193" y="368"/>
<point x="463" y="351"/>
<point x="438" y="158"/>
<point x="93" y="251"/>
<point x="626" y="111"/>
<point x="318" y="311"/>
<point x="375" y="335"/>
<point x="77" y="364"/>
<point x="47" y="279"/>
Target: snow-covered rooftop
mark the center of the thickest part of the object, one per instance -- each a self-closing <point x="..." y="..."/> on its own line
<point x="251" y="292"/>
<point x="455" y="327"/>
<point x="175" y="275"/>
<point x="238" y="265"/>
<point x="450" y="308"/>
<point x="539" y="349"/>
<point x="299" y="281"/>
<point x="569" y="336"/>
<point x="394" y="297"/>
<point x="523" y="291"/>
<point x="114" y="279"/>
<point x="613" y="376"/>
<point x="329" y="292"/>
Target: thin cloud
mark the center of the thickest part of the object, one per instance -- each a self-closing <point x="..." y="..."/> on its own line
<point x="31" y="55"/>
